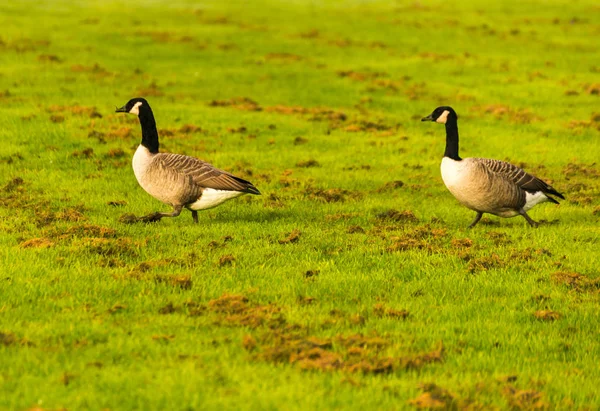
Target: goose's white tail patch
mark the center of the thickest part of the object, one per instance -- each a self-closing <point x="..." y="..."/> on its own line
<point x="212" y="198"/>
<point x="532" y="199"/>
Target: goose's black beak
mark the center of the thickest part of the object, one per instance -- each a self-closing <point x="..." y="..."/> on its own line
<point x="121" y="110"/>
<point x="428" y="118"/>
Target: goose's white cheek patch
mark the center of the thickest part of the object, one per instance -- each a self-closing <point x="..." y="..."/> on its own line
<point x="443" y="117"/>
<point x="136" y="108"/>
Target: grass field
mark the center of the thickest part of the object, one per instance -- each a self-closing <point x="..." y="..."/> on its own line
<point x="352" y="282"/>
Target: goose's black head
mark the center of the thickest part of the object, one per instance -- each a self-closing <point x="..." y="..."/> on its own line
<point x="134" y="106"/>
<point x="441" y="115"/>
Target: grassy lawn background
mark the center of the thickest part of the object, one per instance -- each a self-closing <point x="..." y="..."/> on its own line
<point x="339" y="287"/>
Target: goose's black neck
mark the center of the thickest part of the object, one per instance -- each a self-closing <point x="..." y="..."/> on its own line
<point x="452" y="139"/>
<point x="149" y="131"/>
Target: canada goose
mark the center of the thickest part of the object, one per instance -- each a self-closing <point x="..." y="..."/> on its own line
<point x="485" y="185"/>
<point x="175" y="179"/>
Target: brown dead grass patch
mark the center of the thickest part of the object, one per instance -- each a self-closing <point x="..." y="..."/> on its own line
<point x="461" y="243"/>
<point x="312" y="113"/>
<point x="576" y="281"/>
<point x="547" y="315"/>
<point x="13" y="185"/>
<point x="183" y="281"/>
<point x="226" y="260"/>
<point x="45" y="217"/>
<point x="95" y="70"/>
<point x="485" y="263"/>
<point x="369" y="126"/>
<point x="525" y="399"/>
<point x="390" y="186"/>
<point x="151" y="90"/>
<point x="381" y="311"/>
<point x="239" y="103"/>
<point x="572" y="170"/>
<point x="330" y="195"/>
<point x="308" y="164"/>
<point x="355" y="229"/>
<point x="353" y="354"/>
<point x="291" y="237"/>
<point x="237" y="310"/>
<point x="283" y="57"/>
<point x="500" y="111"/>
<point x="37" y="243"/>
<point x="76" y="110"/>
<point x="405" y="216"/>
<point x="433" y="397"/>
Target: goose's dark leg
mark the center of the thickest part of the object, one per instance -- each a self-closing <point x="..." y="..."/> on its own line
<point x="476" y="220"/>
<point x="529" y="220"/>
<point x="151" y="218"/>
<point x="195" y="216"/>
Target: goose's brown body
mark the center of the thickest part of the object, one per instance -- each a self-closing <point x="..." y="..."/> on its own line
<point x="176" y="179"/>
<point x="492" y="186"/>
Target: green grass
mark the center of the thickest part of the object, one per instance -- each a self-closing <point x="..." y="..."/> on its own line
<point x="96" y="314"/>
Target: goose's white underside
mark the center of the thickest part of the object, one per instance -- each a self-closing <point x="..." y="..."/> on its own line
<point x="457" y="178"/>
<point x="212" y="198"/>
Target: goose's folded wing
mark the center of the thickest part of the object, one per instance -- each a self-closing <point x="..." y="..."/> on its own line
<point x="204" y="174"/>
<point x="518" y="176"/>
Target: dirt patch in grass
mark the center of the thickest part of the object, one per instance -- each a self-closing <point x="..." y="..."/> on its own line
<point x="354" y="354"/>
<point x="152" y="90"/>
<point x="420" y="238"/>
<point x="311" y="273"/>
<point x="298" y="141"/>
<point x="396" y="216"/>
<point x="458" y="243"/>
<point x="71" y="214"/>
<point x="37" y="243"/>
<point x="529" y="254"/>
<point x="81" y="111"/>
<point x="381" y="311"/>
<point x="8" y="339"/>
<point x="355" y="229"/>
<point x="434" y="397"/>
<point x="369" y="126"/>
<point x="331" y="195"/>
<point x="292" y="237"/>
<point x="283" y="57"/>
<point x="183" y="281"/>
<point x="390" y="186"/>
<point x="485" y="263"/>
<point x="576" y="281"/>
<point x="572" y="170"/>
<point x="85" y="153"/>
<point x="311" y="113"/>
<point x="226" y="260"/>
<point x="525" y="399"/>
<point x="498" y="238"/>
<point x="500" y="111"/>
<point x="237" y="310"/>
<point x="13" y="185"/>
<point x="308" y="164"/>
<point x="90" y="230"/>
<point x="109" y="247"/>
<point x="547" y="315"/>
<point x="239" y="103"/>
